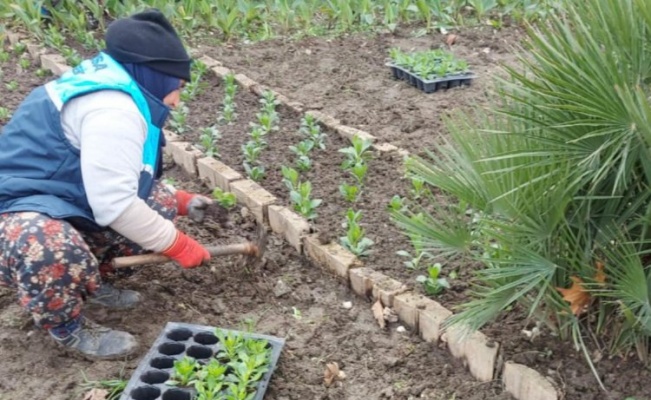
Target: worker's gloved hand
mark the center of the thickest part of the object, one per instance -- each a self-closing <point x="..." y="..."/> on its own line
<point x="187" y="251"/>
<point x="192" y="205"/>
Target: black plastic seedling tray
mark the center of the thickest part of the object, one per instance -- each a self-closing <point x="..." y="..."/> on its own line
<point x="176" y="341"/>
<point x="431" y="86"/>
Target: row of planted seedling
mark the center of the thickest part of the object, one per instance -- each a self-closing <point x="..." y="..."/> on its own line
<point x="231" y="374"/>
<point x="24" y="63"/>
<point x="355" y="166"/>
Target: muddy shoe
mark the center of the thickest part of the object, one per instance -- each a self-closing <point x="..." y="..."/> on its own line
<point x="111" y="297"/>
<point x="94" y="341"/>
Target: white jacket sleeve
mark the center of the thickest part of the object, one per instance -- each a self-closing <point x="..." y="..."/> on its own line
<point x="110" y="133"/>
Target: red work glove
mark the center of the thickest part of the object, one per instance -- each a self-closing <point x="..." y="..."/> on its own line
<point x="192" y="205"/>
<point x="187" y="251"/>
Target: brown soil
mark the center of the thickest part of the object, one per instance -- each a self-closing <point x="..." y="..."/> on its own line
<point x="379" y="364"/>
<point x="345" y="78"/>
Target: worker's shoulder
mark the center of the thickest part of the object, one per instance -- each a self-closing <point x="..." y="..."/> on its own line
<point x="105" y="99"/>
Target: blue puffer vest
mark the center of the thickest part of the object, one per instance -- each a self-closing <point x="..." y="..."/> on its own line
<point x="40" y="169"/>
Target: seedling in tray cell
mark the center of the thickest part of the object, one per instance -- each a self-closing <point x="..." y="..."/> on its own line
<point x="185" y="371"/>
<point x="303" y="204"/>
<point x="358" y="153"/>
<point x="225" y="199"/>
<point x="355" y="241"/>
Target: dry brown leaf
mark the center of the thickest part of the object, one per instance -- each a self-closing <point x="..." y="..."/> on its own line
<point x="576" y="296"/>
<point x="332" y="373"/>
<point x="96" y="394"/>
<point x="451" y="39"/>
<point x="378" y="313"/>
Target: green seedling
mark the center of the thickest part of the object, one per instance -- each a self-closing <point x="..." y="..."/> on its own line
<point x="358" y="153"/>
<point x="355" y="241"/>
<point x="302" y="201"/>
<point x="184" y="371"/>
<point x="311" y="129"/>
<point x="113" y="387"/>
<point x="24" y="63"/>
<point x="266" y="121"/>
<point x="12" y="85"/>
<point x="303" y="148"/>
<point x="230" y="84"/>
<point x="42" y="72"/>
<point x="210" y="380"/>
<point x="290" y="177"/>
<point x="358" y="171"/>
<point x="415" y="260"/>
<point x="179" y="118"/>
<point x="72" y="57"/>
<point x="20" y="48"/>
<point x="55" y="38"/>
<point x="4" y="56"/>
<point x="397" y="204"/>
<point x="303" y="163"/>
<point x="432" y="284"/>
<point x="225" y="199"/>
<point x="296" y="313"/>
<point x="209" y="137"/>
<point x="239" y="392"/>
<point x="258" y="134"/>
<point x="350" y="192"/>
<point x="256" y="173"/>
<point x="231" y="343"/>
<point x="5" y="114"/>
<point x="269" y="102"/>
<point x="228" y="112"/>
<point x="251" y="151"/>
<point x="417" y="187"/>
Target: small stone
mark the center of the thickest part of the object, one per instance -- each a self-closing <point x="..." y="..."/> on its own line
<point x="281" y="288"/>
<point x="308" y="52"/>
<point x="401" y="329"/>
<point x="245" y="212"/>
<point x="348" y="305"/>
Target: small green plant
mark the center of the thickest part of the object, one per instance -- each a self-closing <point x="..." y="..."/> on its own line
<point x="184" y="371"/>
<point x="350" y="193"/>
<point x="303" y="203"/>
<point x="20" y="48"/>
<point x="255" y="172"/>
<point x="209" y="137"/>
<point x="358" y="171"/>
<point x="418" y="188"/>
<point x="179" y="118"/>
<point x="258" y="134"/>
<point x="43" y="72"/>
<point x="5" y="114"/>
<point x="302" y="152"/>
<point x="355" y="241"/>
<point x="432" y="284"/>
<point x="231" y="343"/>
<point x="24" y="63"/>
<point x="4" y="56"/>
<point x="358" y="153"/>
<point x="312" y="131"/>
<point x="290" y="177"/>
<point x="414" y="261"/>
<point x="397" y="204"/>
<point x="225" y="199"/>
<point x="267" y="122"/>
<point x="228" y="113"/>
<point x="12" y="86"/>
<point x="113" y="387"/>
<point x="269" y="104"/>
<point x="72" y="57"/>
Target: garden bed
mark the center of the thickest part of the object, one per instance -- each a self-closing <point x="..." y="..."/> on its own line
<point x="279" y="317"/>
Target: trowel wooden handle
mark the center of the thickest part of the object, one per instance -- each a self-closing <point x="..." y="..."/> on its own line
<point x="249" y="249"/>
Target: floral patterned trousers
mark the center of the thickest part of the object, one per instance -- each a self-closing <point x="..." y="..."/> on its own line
<point x="54" y="266"/>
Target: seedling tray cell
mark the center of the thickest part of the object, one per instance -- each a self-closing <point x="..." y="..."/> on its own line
<point x="431" y="86"/>
<point x="176" y="341"/>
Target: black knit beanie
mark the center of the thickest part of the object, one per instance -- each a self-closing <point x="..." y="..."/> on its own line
<point x="148" y="38"/>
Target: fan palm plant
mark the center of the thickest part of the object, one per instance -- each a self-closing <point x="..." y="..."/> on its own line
<point x="557" y="178"/>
